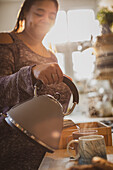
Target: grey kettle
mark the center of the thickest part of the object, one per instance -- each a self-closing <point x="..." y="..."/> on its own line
<point x="41" y="118"/>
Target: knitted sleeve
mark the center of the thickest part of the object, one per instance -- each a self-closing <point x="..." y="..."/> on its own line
<point x="15" y="87"/>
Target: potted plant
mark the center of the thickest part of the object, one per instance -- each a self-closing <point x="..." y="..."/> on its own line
<point x="105" y="17"/>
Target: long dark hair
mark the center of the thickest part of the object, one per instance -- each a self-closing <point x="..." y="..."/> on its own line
<point x="26" y="7"/>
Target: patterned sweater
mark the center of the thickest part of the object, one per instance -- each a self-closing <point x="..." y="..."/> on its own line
<point x="16" y="85"/>
<point x="18" y="152"/>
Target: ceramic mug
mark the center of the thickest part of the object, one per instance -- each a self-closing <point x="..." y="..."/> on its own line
<point x="84" y="132"/>
<point x="75" y="134"/>
<point x="88" y="147"/>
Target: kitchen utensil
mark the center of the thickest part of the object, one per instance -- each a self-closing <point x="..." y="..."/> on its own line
<point x="41" y="118"/>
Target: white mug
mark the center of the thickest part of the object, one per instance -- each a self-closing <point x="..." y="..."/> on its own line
<point x="88" y="147"/>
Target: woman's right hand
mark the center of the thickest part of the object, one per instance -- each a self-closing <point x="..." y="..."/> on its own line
<point x="49" y="73"/>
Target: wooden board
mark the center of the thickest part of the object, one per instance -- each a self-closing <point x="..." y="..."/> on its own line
<point x="70" y="126"/>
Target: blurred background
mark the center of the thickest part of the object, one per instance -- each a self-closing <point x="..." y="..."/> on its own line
<point x="72" y="39"/>
<point x="75" y="25"/>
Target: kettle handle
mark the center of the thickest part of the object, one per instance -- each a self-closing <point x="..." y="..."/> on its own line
<point x="72" y="87"/>
<point x="74" y="91"/>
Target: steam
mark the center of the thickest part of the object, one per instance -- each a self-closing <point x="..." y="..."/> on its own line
<point x="87" y="126"/>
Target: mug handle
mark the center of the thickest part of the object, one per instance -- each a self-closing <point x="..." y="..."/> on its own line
<point x="76" y="157"/>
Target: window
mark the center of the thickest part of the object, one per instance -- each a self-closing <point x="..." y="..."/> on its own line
<point x="82" y="24"/>
<point x="58" y="33"/>
<point x="75" y="26"/>
<point x="61" y="61"/>
<point x="83" y="64"/>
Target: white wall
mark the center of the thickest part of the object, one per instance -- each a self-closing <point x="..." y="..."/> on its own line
<point x="8" y="13"/>
<point x="9" y="10"/>
<point x="75" y="4"/>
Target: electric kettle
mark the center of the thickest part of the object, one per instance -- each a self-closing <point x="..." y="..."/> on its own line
<point x="41" y="118"/>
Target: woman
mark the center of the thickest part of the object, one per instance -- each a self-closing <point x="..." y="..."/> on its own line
<point x="24" y="59"/>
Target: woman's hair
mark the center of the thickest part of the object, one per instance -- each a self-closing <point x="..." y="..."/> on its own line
<point x="26" y="7"/>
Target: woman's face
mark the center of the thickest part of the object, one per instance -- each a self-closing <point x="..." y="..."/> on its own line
<point x="41" y="17"/>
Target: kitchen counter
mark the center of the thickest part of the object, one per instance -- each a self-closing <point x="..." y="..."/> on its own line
<point x="79" y="117"/>
<point x="81" y="112"/>
<point x="60" y="160"/>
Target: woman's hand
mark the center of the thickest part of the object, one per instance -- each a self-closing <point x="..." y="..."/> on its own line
<point x="49" y="73"/>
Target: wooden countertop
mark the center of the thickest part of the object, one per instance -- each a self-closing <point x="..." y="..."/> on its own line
<point x="60" y="160"/>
